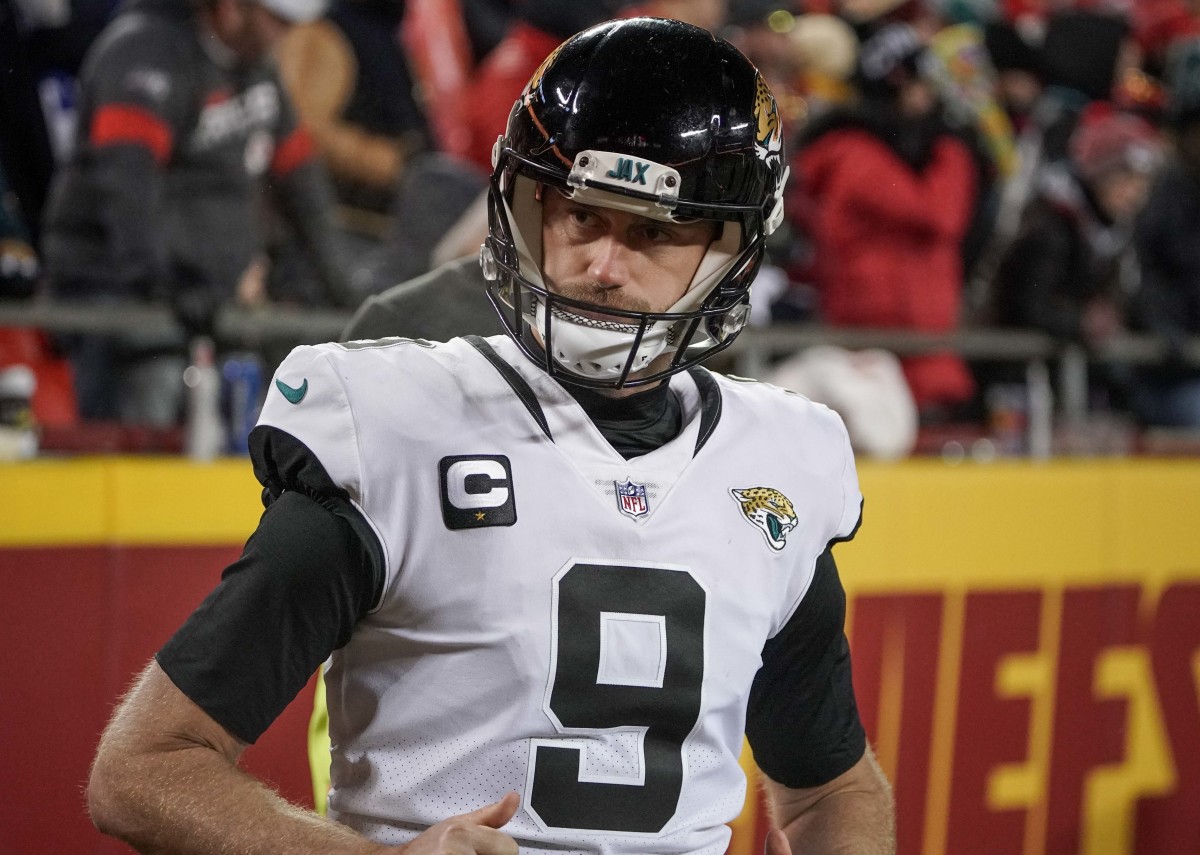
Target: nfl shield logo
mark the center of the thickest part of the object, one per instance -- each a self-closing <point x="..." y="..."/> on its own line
<point x="631" y="498"/>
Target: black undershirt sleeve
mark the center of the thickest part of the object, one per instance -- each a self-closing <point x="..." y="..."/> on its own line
<point x="802" y="720"/>
<point x="307" y="575"/>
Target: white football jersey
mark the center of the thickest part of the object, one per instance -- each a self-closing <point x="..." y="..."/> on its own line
<point x="555" y="619"/>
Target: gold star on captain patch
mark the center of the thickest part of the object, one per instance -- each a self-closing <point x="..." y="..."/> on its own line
<point x="479" y="515"/>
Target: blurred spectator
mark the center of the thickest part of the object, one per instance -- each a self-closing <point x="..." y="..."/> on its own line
<point x="1084" y="53"/>
<point x="540" y="27"/>
<point x="826" y="50"/>
<point x="1158" y="24"/>
<point x="807" y="60"/>
<point x="965" y="79"/>
<point x="180" y="120"/>
<point x="487" y="23"/>
<point x="962" y="74"/>
<point x="761" y="30"/>
<point x="887" y="192"/>
<point x="434" y="195"/>
<point x="59" y="38"/>
<point x="447" y="301"/>
<point x="1168" y="302"/>
<point x="1019" y="72"/>
<point x="349" y="79"/>
<point x="1074" y="58"/>
<point x="53" y="400"/>
<point x="26" y="155"/>
<point x="18" y="261"/>
<point x="442" y="54"/>
<point x="1071" y="271"/>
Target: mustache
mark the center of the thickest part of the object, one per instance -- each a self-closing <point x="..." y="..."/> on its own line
<point x="595" y="294"/>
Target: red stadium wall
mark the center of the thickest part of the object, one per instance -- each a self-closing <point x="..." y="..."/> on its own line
<point x="78" y="623"/>
<point x="1026" y="643"/>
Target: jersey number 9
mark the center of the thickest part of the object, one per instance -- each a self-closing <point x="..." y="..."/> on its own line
<point x="628" y="658"/>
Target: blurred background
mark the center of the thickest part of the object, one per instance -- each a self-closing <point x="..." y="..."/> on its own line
<point x="990" y="268"/>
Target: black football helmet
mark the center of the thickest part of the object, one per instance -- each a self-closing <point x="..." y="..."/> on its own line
<point x="659" y="118"/>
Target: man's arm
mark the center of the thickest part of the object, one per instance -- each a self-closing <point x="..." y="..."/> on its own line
<point x="825" y="789"/>
<point x="851" y="815"/>
<point x="165" y="779"/>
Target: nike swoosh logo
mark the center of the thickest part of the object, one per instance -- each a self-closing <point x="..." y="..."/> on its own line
<point x="294" y="395"/>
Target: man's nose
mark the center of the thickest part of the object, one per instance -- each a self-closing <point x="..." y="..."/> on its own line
<point x="609" y="266"/>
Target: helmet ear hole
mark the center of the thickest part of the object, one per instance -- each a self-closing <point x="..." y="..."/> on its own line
<point x="487" y="263"/>
<point x="732" y="322"/>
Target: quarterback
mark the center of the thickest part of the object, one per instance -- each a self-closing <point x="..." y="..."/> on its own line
<point x="557" y="573"/>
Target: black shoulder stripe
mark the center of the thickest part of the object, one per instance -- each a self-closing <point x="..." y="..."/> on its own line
<point x="510" y="375"/>
<point x="710" y="405"/>
<point x="283" y="462"/>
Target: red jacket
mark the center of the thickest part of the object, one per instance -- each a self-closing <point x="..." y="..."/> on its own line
<point x="500" y="80"/>
<point x="887" y="242"/>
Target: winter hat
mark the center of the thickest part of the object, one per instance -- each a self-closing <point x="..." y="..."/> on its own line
<point x="1010" y="50"/>
<point x="1080" y="51"/>
<point x="888" y="59"/>
<point x="1106" y="141"/>
<point x="826" y="44"/>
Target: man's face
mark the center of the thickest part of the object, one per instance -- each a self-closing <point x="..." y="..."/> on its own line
<point x="1122" y="194"/>
<point x="249" y="29"/>
<point x="618" y="259"/>
<point x="917" y="99"/>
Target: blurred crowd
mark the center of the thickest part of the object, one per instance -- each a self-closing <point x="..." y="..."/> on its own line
<point x="955" y="164"/>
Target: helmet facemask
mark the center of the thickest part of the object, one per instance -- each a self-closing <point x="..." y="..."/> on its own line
<point x="622" y="348"/>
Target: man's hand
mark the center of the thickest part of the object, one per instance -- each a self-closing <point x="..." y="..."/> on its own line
<point x="777" y="843"/>
<point x="471" y="833"/>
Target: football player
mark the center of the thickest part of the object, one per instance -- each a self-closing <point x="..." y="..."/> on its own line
<point x="562" y="571"/>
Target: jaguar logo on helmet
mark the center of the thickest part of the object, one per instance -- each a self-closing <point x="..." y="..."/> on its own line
<point x="536" y="80"/>
<point x="766" y="117"/>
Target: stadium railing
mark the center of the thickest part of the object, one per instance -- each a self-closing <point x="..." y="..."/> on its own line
<point x="753" y="352"/>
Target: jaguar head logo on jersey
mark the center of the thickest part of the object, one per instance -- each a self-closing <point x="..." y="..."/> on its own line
<point x="769" y="511"/>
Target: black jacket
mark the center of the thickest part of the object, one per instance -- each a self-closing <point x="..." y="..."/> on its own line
<point x="162" y="198"/>
<point x="1066" y="255"/>
<point x="1168" y="302"/>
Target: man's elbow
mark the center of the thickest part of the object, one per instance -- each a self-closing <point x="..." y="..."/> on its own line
<point x="104" y="801"/>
